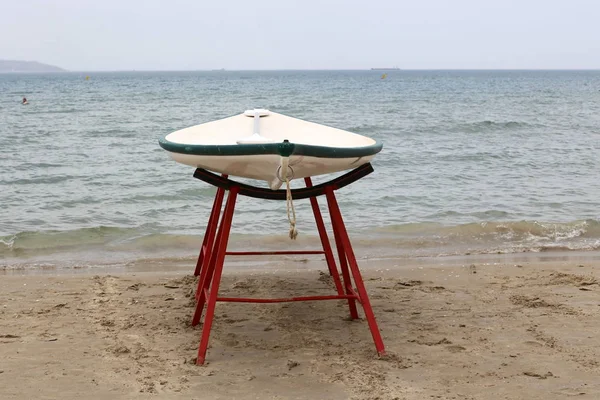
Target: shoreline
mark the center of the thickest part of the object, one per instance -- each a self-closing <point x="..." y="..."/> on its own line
<point x="254" y="264"/>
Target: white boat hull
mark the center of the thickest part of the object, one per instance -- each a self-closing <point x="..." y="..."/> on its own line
<point x="267" y="167"/>
<point x="261" y="146"/>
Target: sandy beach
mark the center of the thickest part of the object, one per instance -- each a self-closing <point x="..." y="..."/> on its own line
<point x="454" y="329"/>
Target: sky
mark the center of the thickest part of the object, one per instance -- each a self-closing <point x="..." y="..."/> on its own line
<point x="85" y="35"/>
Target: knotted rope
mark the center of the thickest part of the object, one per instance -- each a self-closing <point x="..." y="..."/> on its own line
<point x="290" y="206"/>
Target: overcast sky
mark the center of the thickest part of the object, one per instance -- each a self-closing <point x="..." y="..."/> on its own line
<point x="306" y="34"/>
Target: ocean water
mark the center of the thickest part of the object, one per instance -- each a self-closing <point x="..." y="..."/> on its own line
<point x="473" y="162"/>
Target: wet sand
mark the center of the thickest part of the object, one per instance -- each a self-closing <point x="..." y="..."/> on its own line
<point x="505" y="328"/>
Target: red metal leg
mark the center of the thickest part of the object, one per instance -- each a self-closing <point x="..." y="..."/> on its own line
<point x="211" y="227"/>
<point x="206" y="275"/>
<point x="203" y="283"/>
<point x="218" y="270"/>
<point x="345" y="271"/>
<point x="325" y="241"/>
<point x="207" y="247"/>
<point x="341" y="234"/>
<point x="207" y="266"/>
<point x="205" y="239"/>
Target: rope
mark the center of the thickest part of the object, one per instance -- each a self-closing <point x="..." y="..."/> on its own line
<point x="290" y="206"/>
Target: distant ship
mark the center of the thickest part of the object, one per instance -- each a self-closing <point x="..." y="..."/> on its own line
<point x="386" y="69"/>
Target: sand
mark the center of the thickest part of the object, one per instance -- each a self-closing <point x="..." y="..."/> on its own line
<point x="470" y="330"/>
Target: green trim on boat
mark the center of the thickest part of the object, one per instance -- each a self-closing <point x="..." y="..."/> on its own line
<point x="284" y="149"/>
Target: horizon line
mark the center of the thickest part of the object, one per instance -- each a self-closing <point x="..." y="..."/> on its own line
<point x="378" y="69"/>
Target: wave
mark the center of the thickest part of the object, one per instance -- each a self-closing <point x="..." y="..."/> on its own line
<point x="65" y="111"/>
<point x="46" y="180"/>
<point x="41" y="241"/>
<point x="120" y="244"/>
<point x="484" y="126"/>
<point x="134" y="240"/>
<point x="364" y="129"/>
<point x="503" y="237"/>
<point x="41" y="165"/>
<point x="519" y="229"/>
<point x="112" y="132"/>
<point x="488" y="126"/>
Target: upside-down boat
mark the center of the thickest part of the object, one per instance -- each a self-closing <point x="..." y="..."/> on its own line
<point x="260" y="144"/>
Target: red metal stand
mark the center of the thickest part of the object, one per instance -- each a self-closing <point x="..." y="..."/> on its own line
<point x="214" y="249"/>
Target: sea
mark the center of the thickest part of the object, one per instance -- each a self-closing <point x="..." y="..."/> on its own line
<point x="473" y="162"/>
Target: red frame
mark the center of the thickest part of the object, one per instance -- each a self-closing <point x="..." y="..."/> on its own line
<point x="214" y="249"/>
